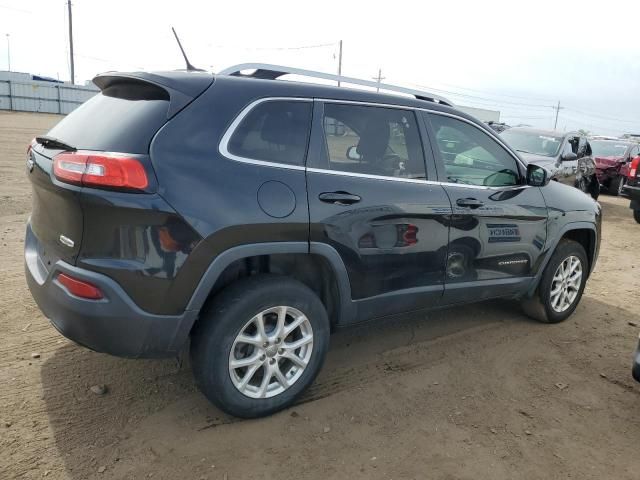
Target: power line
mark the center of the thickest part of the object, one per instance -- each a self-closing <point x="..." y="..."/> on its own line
<point x="496" y="94"/>
<point x="21" y="10"/>
<point x="301" y="47"/>
<point x="465" y="95"/>
<point x="604" y="117"/>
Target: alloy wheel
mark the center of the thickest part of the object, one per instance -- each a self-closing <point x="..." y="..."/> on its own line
<point x="566" y="283"/>
<point x="271" y="352"/>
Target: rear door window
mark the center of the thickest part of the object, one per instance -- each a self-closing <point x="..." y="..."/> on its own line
<point x="274" y="131"/>
<point x="122" y="118"/>
<point x="372" y="141"/>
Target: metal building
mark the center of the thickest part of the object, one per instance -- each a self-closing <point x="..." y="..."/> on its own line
<point x="32" y="93"/>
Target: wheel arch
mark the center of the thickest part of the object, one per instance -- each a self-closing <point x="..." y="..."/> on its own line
<point x="316" y="265"/>
<point x="584" y="233"/>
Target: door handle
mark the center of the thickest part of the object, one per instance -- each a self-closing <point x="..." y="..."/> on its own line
<point x="339" y="198"/>
<point x="469" y="203"/>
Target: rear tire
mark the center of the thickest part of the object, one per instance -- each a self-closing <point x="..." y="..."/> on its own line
<point x="560" y="289"/>
<point x="249" y="370"/>
<point x="616" y="185"/>
<point x="636" y="215"/>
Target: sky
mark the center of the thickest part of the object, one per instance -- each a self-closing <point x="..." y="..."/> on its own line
<point x="520" y="58"/>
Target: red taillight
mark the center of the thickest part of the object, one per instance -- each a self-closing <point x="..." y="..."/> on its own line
<point x="80" y="288"/>
<point x="633" y="169"/>
<point x="113" y="170"/>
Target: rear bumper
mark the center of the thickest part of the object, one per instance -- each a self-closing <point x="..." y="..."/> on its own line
<point x="635" y="370"/>
<point x="114" y="324"/>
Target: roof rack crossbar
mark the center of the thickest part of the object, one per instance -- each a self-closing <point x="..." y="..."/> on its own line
<point x="272" y="72"/>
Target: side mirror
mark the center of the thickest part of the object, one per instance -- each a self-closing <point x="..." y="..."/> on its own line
<point x="537" y="176"/>
<point x="352" y="153"/>
<point x="569" y="157"/>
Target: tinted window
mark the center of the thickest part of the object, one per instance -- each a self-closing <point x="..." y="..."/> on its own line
<point x="274" y="131"/>
<point x="372" y="141"/>
<point x="471" y="156"/>
<point x="122" y="118"/>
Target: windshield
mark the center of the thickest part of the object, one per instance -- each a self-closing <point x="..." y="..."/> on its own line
<point x="608" y="149"/>
<point x="531" y="142"/>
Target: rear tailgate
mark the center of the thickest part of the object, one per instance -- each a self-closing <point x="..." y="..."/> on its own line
<point x="122" y="118"/>
<point x="56" y="217"/>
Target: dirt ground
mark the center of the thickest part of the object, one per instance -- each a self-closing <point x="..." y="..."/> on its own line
<point x="467" y="393"/>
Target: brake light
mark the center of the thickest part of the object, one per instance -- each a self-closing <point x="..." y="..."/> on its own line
<point x="633" y="169"/>
<point x="80" y="288"/>
<point x="113" y="170"/>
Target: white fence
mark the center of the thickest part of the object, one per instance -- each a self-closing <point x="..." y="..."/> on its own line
<point x="41" y="96"/>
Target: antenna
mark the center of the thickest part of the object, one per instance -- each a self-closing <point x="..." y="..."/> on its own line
<point x="190" y="67"/>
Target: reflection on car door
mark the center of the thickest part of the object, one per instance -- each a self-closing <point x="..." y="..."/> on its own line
<point x="498" y="226"/>
<point x="369" y="199"/>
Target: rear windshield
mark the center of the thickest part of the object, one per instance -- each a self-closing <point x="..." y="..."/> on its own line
<point x="122" y="118"/>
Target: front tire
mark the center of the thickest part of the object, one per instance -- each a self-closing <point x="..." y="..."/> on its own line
<point x="616" y="186"/>
<point x="561" y="285"/>
<point x="636" y="215"/>
<point x="259" y="345"/>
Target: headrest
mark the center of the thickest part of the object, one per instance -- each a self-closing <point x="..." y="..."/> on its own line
<point x="374" y="139"/>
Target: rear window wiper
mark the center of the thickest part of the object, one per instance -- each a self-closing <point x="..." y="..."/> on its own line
<point x="51" y="142"/>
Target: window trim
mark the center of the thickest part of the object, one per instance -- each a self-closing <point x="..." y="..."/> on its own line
<point x="223" y="146"/>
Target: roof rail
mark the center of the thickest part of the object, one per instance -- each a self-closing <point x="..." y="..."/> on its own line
<point x="271" y="72"/>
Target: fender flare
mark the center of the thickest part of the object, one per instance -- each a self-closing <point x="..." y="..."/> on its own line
<point x="225" y="258"/>
<point x="552" y="248"/>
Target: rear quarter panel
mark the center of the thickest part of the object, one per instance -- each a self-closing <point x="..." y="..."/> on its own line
<point x="215" y="195"/>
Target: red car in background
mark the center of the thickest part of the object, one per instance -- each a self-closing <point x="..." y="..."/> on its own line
<point x="613" y="158"/>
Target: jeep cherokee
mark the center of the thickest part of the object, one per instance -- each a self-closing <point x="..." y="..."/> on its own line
<point x="248" y="216"/>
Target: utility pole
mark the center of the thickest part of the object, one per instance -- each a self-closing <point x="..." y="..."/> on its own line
<point x="557" y="109"/>
<point x="8" y="53"/>
<point x="73" y="72"/>
<point x="379" y="79"/>
<point x="340" y="63"/>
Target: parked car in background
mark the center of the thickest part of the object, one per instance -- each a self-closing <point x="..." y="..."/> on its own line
<point x="632" y="188"/>
<point x="498" y="126"/>
<point x="297" y="208"/>
<point x="613" y="158"/>
<point x="566" y="155"/>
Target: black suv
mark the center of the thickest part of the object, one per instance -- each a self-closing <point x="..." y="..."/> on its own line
<point x="249" y="216"/>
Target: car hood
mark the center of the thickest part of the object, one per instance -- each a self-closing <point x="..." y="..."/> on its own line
<point x="537" y="159"/>
<point x="609" y="161"/>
